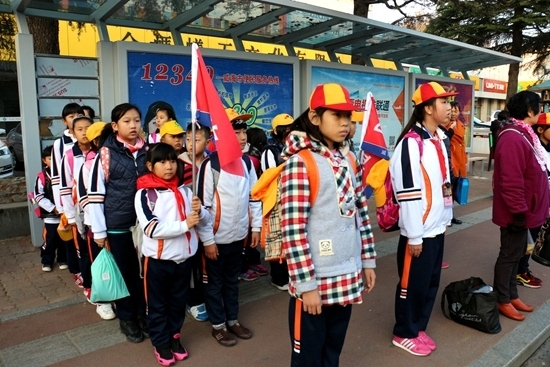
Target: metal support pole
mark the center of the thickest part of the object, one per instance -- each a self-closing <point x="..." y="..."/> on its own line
<point x="26" y="82"/>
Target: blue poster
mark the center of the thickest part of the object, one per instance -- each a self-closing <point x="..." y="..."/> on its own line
<point x="263" y="89"/>
<point x="388" y="90"/>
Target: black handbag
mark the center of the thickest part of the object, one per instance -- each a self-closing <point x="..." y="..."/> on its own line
<point x="473" y="303"/>
<point x="541" y="252"/>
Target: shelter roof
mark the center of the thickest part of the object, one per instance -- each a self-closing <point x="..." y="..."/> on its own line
<point x="284" y="22"/>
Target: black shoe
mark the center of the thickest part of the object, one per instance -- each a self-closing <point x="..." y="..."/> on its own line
<point x="142" y="322"/>
<point x="456" y="221"/>
<point x="131" y="329"/>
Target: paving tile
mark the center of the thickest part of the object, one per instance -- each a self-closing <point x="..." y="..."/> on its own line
<point x="96" y="336"/>
<point x="41" y="352"/>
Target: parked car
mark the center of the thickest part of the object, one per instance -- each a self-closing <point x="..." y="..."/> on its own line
<point x="7" y="163"/>
<point x="14" y="140"/>
<point x="479" y="123"/>
<point x="2" y="131"/>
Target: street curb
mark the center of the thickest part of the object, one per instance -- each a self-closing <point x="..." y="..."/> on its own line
<point x="519" y="344"/>
<point x="32" y="311"/>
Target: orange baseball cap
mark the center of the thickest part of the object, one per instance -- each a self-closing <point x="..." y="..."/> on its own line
<point x="234" y="115"/>
<point x="357" y="116"/>
<point x="544" y="119"/>
<point x="428" y="91"/>
<point x="332" y="96"/>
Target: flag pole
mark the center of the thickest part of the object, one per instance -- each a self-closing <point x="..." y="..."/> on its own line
<point x="194" y="72"/>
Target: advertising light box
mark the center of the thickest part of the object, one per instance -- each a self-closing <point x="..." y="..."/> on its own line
<point x="263" y="89"/>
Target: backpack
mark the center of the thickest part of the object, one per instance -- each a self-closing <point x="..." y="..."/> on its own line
<point x="216" y="168"/>
<point x="387" y="215"/>
<point x="268" y="190"/>
<point x="137" y="232"/>
<point x="31" y="195"/>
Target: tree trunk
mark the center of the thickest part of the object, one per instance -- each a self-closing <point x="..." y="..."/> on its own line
<point x="360" y="8"/>
<point x="45" y="34"/>
<point x="516" y="50"/>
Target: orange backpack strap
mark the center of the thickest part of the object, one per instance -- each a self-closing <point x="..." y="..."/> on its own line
<point x="352" y="160"/>
<point x="312" y="173"/>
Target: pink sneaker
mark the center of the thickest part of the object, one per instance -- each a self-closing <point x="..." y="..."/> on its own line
<point x="424" y="338"/>
<point x="444" y="265"/>
<point x="179" y="352"/>
<point x="78" y="280"/>
<point x="414" y="346"/>
<point x="164" y="355"/>
<point x="259" y="269"/>
<point x="249" y="276"/>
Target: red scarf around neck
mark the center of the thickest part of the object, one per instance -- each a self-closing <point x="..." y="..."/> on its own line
<point x="150" y="181"/>
<point x="132" y="148"/>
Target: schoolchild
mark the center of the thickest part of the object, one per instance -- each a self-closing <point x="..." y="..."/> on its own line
<point x="196" y="307"/>
<point x="521" y="196"/>
<point x="233" y="212"/>
<point x="89" y="111"/>
<point x="71" y="163"/>
<point x="163" y="114"/>
<point x="60" y="147"/>
<point x="172" y="134"/>
<point x="281" y="126"/>
<point x="43" y="195"/>
<point x="329" y="245"/>
<point x="111" y="192"/>
<point x="421" y="181"/>
<point x="172" y="219"/>
<point x="256" y="139"/>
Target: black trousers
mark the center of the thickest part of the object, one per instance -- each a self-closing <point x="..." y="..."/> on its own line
<point x="73" y="257"/>
<point x="512" y="249"/>
<point x="53" y="244"/>
<point x="317" y="340"/>
<point x="279" y="272"/>
<point x="222" y="289"/>
<point x="418" y="284"/>
<point x="122" y="248"/>
<point x="167" y="287"/>
<point x="196" y="292"/>
<point x="84" y="262"/>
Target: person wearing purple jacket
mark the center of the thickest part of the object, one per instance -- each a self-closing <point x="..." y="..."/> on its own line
<point x="520" y="195"/>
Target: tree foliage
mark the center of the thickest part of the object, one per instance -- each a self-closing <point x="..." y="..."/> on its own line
<point x="516" y="27"/>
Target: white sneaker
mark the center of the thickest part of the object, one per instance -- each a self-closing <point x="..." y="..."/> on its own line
<point x="280" y="287"/>
<point x="63" y="266"/>
<point x="105" y="311"/>
<point x="46" y="268"/>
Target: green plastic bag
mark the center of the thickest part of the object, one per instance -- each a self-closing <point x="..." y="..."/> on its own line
<point x="107" y="282"/>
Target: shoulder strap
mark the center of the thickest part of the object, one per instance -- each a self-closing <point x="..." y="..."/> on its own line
<point x="70" y="159"/>
<point x="152" y="196"/>
<point x="312" y="172"/>
<point x="200" y="181"/>
<point x="248" y="162"/>
<point x="352" y="161"/>
<point x="42" y="178"/>
<point x="105" y="161"/>
<point x="414" y="135"/>
<point x="215" y="167"/>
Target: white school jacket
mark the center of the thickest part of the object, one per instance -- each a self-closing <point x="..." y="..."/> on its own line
<point x="60" y="147"/>
<point x="419" y="196"/>
<point x="69" y="177"/>
<point x="234" y="203"/>
<point x="164" y="233"/>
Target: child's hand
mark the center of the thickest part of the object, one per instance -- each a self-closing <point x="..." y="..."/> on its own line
<point x="312" y="302"/>
<point x="255" y="239"/>
<point x="196" y="205"/>
<point x="370" y="279"/>
<point x="192" y="219"/>
<point x="211" y="252"/>
<point x="101" y="242"/>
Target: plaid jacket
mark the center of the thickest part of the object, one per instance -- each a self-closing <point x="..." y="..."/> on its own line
<point x="343" y="289"/>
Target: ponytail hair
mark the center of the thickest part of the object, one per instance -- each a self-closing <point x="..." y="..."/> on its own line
<point x="105" y="133"/>
<point x="417" y="116"/>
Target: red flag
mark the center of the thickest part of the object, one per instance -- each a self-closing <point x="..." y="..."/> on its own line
<point x="207" y="109"/>
<point x="373" y="142"/>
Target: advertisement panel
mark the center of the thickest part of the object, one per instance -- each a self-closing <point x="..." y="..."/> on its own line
<point x="465" y="99"/>
<point x="263" y="89"/>
<point x="388" y="90"/>
<point x="495" y="86"/>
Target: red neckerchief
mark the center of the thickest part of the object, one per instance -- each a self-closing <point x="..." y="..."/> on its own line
<point x="436" y="141"/>
<point x="150" y="181"/>
<point x="132" y="148"/>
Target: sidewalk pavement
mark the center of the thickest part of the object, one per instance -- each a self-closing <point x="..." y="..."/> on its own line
<point x="46" y="321"/>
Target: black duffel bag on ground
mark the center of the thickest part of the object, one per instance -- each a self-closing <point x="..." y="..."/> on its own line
<point x="473" y="303"/>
